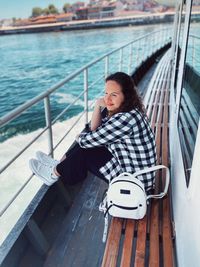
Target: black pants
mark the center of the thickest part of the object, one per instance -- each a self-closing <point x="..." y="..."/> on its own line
<point x="81" y="160"/>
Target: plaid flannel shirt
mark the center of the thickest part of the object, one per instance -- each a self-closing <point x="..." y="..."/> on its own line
<point x="130" y="139"/>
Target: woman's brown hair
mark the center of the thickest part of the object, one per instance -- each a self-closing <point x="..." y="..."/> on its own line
<point x="132" y="99"/>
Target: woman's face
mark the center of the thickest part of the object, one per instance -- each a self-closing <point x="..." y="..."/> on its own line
<point x="113" y="96"/>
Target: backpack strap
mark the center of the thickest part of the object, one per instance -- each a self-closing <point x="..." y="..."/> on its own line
<point x="105" y="231"/>
<point x="103" y="208"/>
<point x="155" y="168"/>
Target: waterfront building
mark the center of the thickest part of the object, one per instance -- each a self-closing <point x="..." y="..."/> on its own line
<point x="65" y="17"/>
<point x="82" y="13"/>
<point x="107" y="11"/>
<point x="94" y="12"/>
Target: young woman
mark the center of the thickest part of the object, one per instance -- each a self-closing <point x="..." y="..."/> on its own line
<point x="120" y="142"/>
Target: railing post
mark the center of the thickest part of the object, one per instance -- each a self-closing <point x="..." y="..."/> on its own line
<point x="48" y="123"/>
<point x="130" y="58"/>
<point x="86" y="95"/>
<point x="106" y="66"/>
<point x="121" y="59"/>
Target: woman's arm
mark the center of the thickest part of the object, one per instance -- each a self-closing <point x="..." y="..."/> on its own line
<point x="96" y="115"/>
<point x="118" y="127"/>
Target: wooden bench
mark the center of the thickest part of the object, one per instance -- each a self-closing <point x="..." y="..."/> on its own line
<point x="148" y="242"/>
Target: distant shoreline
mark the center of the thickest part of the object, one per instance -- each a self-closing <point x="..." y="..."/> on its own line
<point x="95" y="23"/>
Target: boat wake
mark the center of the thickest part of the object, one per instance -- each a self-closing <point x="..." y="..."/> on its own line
<point x="18" y="172"/>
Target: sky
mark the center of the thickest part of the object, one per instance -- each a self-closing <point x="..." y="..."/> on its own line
<point x="23" y="8"/>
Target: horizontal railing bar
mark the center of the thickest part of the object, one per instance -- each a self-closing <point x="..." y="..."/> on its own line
<point x="68" y="107"/>
<point x="15" y="113"/>
<point x="96" y="81"/>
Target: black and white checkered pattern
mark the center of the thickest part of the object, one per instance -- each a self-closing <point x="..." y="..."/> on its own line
<point x="130" y="139"/>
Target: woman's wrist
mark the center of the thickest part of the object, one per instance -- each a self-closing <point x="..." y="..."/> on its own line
<point x="98" y="105"/>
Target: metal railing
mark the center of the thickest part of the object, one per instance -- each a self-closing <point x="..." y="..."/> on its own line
<point x="128" y="56"/>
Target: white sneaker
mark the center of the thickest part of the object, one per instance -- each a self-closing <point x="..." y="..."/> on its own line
<point x="44" y="172"/>
<point x="45" y="159"/>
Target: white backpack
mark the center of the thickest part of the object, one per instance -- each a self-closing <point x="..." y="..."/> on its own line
<point x="126" y="196"/>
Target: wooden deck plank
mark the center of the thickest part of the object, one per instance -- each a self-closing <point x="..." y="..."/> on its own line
<point x="128" y="243"/>
<point x="167" y="236"/>
<point x="154" y="251"/>
<point x="141" y="243"/>
<point x="154" y="255"/>
<point x="112" y="244"/>
<point x="167" y="232"/>
<point x="155" y="86"/>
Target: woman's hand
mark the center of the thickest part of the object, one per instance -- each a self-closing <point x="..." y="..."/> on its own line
<point x="100" y="102"/>
<point x="96" y="116"/>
